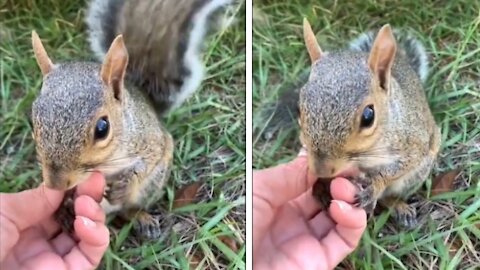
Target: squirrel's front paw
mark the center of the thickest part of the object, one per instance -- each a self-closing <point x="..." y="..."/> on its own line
<point x="65" y="215"/>
<point x="147" y="226"/>
<point x="365" y="199"/>
<point x="117" y="192"/>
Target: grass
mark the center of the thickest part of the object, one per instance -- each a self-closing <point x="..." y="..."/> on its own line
<point x="449" y="237"/>
<point x="209" y="131"/>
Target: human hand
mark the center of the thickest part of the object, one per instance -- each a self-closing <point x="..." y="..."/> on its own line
<point x="29" y="236"/>
<point x="289" y="232"/>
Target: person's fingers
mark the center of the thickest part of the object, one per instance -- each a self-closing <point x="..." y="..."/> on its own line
<point x="273" y="187"/>
<point x="340" y="188"/>
<point x="94" y="240"/>
<point x="92" y="233"/>
<point x="321" y="224"/>
<point x="21" y="210"/>
<point x="9" y="236"/>
<point x="343" y="239"/>
<point x="302" y="252"/>
<point x="307" y="205"/>
<point x="343" y="190"/>
<point x="62" y="244"/>
<point x="50" y="227"/>
<point x="31" y="206"/>
<point x="31" y="243"/>
<point x="88" y="207"/>
<point x="351" y="221"/>
<point x="282" y="183"/>
<point x="47" y="260"/>
<point x="93" y="187"/>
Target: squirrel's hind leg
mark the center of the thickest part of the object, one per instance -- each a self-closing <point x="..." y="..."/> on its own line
<point x="145" y="225"/>
<point x="397" y="196"/>
<point x="404" y="213"/>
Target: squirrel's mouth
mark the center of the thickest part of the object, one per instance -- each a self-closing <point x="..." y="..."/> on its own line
<point x="63" y="180"/>
<point x="349" y="172"/>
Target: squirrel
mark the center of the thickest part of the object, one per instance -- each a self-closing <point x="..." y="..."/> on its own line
<point x="105" y="115"/>
<point x="363" y="115"/>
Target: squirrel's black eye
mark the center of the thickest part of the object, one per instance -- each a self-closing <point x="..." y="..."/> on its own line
<point x="101" y="128"/>
<point x="368" y="116"/>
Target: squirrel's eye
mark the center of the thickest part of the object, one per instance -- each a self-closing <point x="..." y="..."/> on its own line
<point x="368" y="116"/>
<point x="101" y="129"/>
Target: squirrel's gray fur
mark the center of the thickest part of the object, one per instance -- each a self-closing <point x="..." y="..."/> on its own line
<point x="72" y="120"/>
<point x="364" y="116"/>
<point x="104" y="116"/>
<point x="410" y="46"/>
<point x="283" y="114"/>
<point x="168" y="63"/>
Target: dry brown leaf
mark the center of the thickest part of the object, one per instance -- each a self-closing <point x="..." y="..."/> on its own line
<point x="186" y="195"/>
<point x="444" y="182"/>
<point x="454" y="247"/>
<point x="230" y="242"/>
<point x="195" y="260"/>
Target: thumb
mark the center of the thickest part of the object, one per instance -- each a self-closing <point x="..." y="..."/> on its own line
<point x="284" y="182"/>
<point x="341" y="241"/>
<point x="29" y="207"/>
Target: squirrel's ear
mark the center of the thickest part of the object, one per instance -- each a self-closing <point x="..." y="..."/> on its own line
<point x="382" y="55"/>
<point x="114" y="66"/>
<point x="41" y="55"/>
<point x="313" y="48"/>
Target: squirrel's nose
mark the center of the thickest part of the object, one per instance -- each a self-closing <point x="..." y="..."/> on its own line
<point x="328" y="168"/>
<point x="331" y="168"/>
<point x="56" y="179"/>
<point x="324" y="168"/>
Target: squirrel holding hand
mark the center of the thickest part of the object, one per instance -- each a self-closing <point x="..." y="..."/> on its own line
<point x="364" y="116"/>
<point x="105" y="116"/>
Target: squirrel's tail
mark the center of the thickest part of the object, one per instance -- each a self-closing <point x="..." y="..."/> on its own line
<point x="164" y="39"/>
<point x="411" y="46"/>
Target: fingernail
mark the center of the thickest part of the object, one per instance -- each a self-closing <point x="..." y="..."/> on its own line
<point x="88" y="222"/>
<point x="302" y="152"/>
<point x="344" y="207"/>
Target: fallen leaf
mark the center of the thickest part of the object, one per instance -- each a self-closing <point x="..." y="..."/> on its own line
<point x="444" y="182"/>
<point x="195" y="260"/>
<point x="454" y="247"/>
<point x="186" y="195"/>
<point x="230" y="242"/>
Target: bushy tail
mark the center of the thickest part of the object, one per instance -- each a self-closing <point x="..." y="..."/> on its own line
<point x="164" y="39"/>
<point x="410" y="46"/>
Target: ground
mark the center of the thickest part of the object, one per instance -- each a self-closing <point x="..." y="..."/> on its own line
<point x="450" y="232"/>
<point x="209" y="130"/>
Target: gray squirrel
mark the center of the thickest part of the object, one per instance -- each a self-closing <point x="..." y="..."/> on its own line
<point x="106" y="116"/>
<point x="363" y="115"/>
